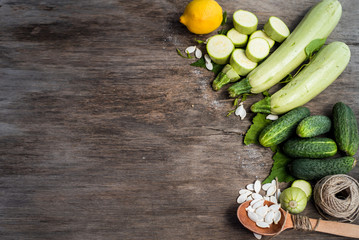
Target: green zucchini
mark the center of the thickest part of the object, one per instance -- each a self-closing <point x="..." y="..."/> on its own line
<point x="345" y="128"/>
<point x="281" y="129"/>
<point x="324" y="68"/>
<point x="227" y="75"/>
<point x="317" y="147"/>
<point x="313" y="126"/>
<point x="313" y="169"/>
<point x="318" y="23"/>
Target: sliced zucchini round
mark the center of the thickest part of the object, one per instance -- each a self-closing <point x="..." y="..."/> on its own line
<point x="257" y="49"/>
<point x="240" y="63"/>
<point x="262" y="34"/>
<point x="276" y="29"/>
<point x="219" y="48"/>
<point x="245" y="22"/>
<point x="238" y="39"/>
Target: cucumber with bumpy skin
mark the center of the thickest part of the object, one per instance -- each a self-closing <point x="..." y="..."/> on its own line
<point x="313" y="126"/>
<point x="345" y="128"/>
<point x="324" y="68"/>
<point x="281" y="129"/>
<point x="318" y="23"/>
<point x="219" y="48"/>
<point x="315" y="147"/>
<point x="313" y="169"/>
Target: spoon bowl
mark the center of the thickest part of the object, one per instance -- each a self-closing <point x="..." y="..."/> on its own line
<point x="248" y="223"/>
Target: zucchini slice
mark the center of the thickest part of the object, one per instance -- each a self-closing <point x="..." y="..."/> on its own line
<point x="276" y="29"/>
<point x="238" y="39"/>
<point x="257" y="49"/>
<point x="240" y="63"/>
<point x="245" y="22"/>
<point x="262" y="34"/>
<point x="219" y="48"/>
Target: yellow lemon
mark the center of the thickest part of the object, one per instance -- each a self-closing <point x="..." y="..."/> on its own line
<point x="202" y="16"/>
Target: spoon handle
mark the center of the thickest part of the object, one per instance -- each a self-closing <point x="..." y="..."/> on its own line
<point x="337" y="228"/>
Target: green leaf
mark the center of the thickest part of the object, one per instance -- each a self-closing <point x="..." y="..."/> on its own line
<point x="314" y="46"/>
<point x="223" y="31"/>
<point x="259" y="122"/>
<point x="279" y="169"/>
<point x="224" y="19"/>
<point x="202" y="63"/>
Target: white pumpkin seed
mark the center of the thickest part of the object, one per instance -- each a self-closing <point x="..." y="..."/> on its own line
<point x="258" y="204"/>
<point x="262" y="224"/>
<point x="209" y="66"/>
<point x="249" y="198"/>
<point x="277" y="217"/>
<point x="278" y="193"/>
<point x="256" y="196"/>
<point x="241" y="199"/>
<point x="253" y="216"/>
<point x="242" y="191"/>
<point x="273" y="199"/>
<point x="271" y="190"/>
<point x="266" y="186"/>
<point x="249" y="209"/>
<point x="255" y="201"/>
<point x="190" y="49"/>
<point x="257" y="186"/>
<point x="269" y="217"/>
<point x="272" y="117"/>
<point x="198" y="53"/>
<point x="247" y="193"/>
<point x="207" y="58"/>
<point x="274" y="207"/>
<point x="250" y="187"/>
<point x="205" y="42"/>
<point x="258" y="236"/>
<point x="262" y="211"/>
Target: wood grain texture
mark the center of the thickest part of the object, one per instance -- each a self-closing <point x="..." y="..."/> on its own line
<point x="106" y="133"/>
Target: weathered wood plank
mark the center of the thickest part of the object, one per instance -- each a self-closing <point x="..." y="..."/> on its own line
<point x="106" y="133"/>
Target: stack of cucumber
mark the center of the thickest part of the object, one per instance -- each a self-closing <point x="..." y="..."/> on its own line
<point x="244" y="47"/>
<point x="318" y="145"/>
<point x="246" y="53"/>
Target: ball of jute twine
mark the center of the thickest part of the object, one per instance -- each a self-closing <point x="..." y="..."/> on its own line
<point x="337" y="197"/>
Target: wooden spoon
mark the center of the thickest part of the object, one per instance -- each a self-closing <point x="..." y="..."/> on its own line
<point x="331" y="227"/>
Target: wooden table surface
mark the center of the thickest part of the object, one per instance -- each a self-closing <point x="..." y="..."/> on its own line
<point x="106" y="133"/>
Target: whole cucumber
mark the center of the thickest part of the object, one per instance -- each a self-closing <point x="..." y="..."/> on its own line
<point x="345" y="128"/>
<point x="313" y="126"/>
<point x="281" y="129"/>
<point x="316" y="147"/>
<point x="312" y="169"/>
